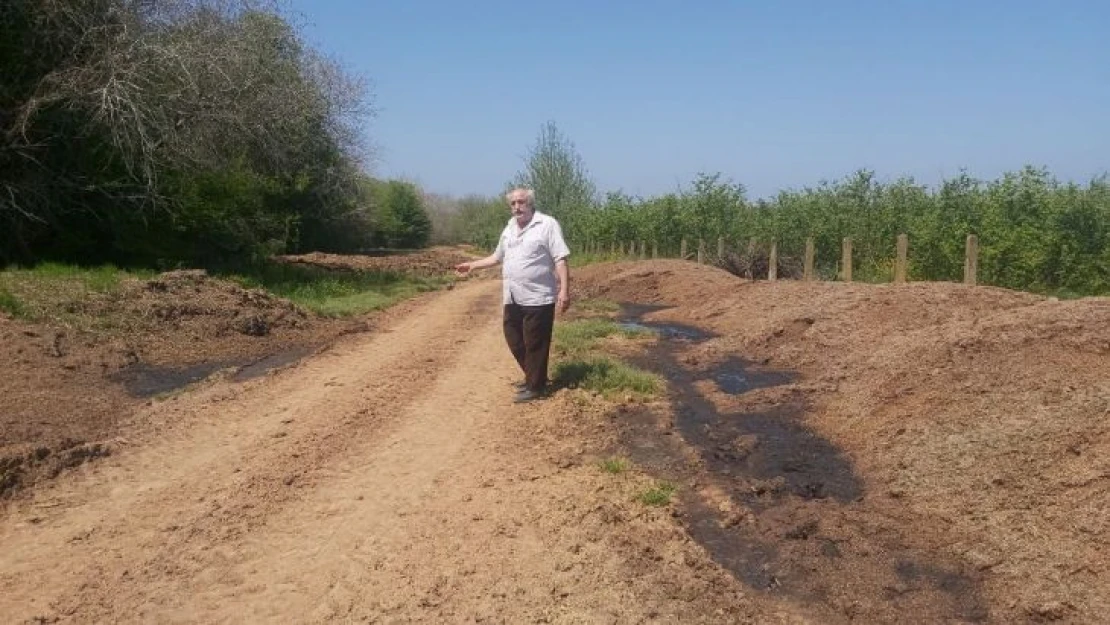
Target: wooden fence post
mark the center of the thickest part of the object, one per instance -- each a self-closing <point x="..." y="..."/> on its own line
<point x="720" y="248"/>
<point x="846" y="260"/>
<point x="773" y="263"/>
<point x="701" y="251"/>
<point x="971" y="260"/>
<point x="643" y="249"/>
<point x="654" y="249"/>
<point x="682" y="251"/>
<point x="751" y="259"/>
<point x="807" y="274"/>
<point x="900" y="264"/>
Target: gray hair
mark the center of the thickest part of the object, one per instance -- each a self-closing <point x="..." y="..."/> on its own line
<point x="529" y="195"/>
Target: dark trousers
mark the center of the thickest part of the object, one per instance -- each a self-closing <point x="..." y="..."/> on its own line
<point x="528" y="333"/>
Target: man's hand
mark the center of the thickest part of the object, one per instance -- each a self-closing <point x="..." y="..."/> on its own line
<point x="564" y="302"/>
<point x="463" y="269"/>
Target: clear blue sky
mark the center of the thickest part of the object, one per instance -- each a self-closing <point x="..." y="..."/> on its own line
<point x="773" y="94"/>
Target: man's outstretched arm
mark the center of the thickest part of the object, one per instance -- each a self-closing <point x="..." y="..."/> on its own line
<point x="488" y="261"/>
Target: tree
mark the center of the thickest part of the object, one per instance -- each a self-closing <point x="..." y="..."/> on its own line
<point x="482" y="219"/>
<point x="556" y="172"/>
<point x="402" y="221"/>
<point x="443" y="210"/>
<point x="119" y="119"/>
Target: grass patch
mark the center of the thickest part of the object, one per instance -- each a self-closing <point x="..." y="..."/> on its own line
<point x="578" y="337"/>
<point x="606" y="376"/>
<point x="614" y="466"/>
<point x="99" y="279"/>
<point x="10" y="304"/>
<point x="583" y="259"/>
<point x="60" y="292"/>
<point x="336" y="293"/>
<point x="658" y="495"/>
<point x="597" y="305"/>
<point x="57" y="290"/>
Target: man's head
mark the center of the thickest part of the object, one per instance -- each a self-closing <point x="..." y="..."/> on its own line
<point x="522" y="204"/>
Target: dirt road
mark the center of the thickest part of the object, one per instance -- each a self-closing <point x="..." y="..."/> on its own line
<point x="389" y="479"/>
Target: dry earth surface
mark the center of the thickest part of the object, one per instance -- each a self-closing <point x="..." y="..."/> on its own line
<point x="921" y="453"/>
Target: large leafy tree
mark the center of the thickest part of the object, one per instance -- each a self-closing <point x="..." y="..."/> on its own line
<point x="556" y="172"/>
<point x="197" y="127"/>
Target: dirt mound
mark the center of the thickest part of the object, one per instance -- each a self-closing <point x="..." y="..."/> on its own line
<point x="434" y="261"/>
<point x="70" y="384"/>
<point x="53" y="401"/>
<point x="184" y="316"/>
<point x="979" y="417"/>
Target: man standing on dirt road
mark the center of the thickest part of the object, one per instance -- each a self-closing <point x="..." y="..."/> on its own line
<point x="534" y="282"/>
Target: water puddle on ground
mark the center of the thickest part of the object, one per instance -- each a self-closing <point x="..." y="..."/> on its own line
<point x="261" y="367"/>
<point x="631" y="318"/>
<point x="667" y="330"/>
<point x="737" y="376"/>
<point x="144" y="380"/>
<point x="796" y="521"/>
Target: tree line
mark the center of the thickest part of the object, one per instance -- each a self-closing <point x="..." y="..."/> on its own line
<point x="183" y="131"/>
<point x="208" y="132"/>
<point x="1035" y="232"/>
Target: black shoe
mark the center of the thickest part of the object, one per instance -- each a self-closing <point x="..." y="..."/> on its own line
<point x="521" y="386"/>
<point x="527" y="395"/>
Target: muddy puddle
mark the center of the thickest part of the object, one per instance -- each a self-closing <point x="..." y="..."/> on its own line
<point x="144" y="380"/>
<point x="777" y="504"/>
<point x="261" y="367"/>
<point x="737" y="376"/>
<point x="631" y="318"/>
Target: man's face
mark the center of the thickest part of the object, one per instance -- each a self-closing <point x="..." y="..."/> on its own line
<point x="518" y="204"/>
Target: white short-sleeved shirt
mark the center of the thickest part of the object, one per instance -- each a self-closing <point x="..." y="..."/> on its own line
<point x="528" y="256"/>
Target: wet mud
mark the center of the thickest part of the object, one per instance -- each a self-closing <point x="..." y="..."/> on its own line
<point x="144" y="380"/>
<point x="775" y="503"/>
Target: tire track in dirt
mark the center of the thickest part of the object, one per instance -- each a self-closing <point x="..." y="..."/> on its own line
<point x="351" y="547"/>
<point x="82" y="547"/>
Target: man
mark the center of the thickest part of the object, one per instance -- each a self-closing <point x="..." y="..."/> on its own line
<point x="534" y="282"/>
